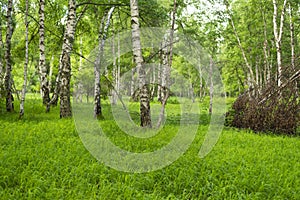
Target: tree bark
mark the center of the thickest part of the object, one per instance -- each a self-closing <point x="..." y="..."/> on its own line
<point x="138" y="59"/>
<point x="42" y="61"/>
<point x="65" y="61"/>
<point x="8" y="77"/>
<point x="26" y="64"/>
<point x="278" y="38"/>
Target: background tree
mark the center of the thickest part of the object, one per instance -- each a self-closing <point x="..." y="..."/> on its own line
<point x="26" y="62"/>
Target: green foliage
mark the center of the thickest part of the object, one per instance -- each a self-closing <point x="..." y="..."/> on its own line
<point x="42" y="157"/>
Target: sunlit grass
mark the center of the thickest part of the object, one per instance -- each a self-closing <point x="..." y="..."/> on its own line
<point x="42" y="157"/>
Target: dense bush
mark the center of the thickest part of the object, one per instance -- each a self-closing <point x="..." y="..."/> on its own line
<point x="274" y="110"/>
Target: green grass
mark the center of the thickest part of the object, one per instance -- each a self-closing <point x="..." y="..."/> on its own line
<point x="42" y="157"/>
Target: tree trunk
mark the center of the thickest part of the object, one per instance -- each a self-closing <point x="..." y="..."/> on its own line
<point x="278" y="37"/>
<point x="25" y="65"/>
<point x="65" y="61"/>
<point x="266" y="49"/>
<point x="114" y="71"/>
<point x="42" y="61"/>
<point x="1" y="49"/>
<point x="50" y="74"/>
<point x="292" y="33"/>
<point x="8" y="77"/>
<point x="97" y="89"/>
<point x="249" y="68"/>
<point x="211" y="88"/>
<point x="159" y="82"/>
<point x="119" y="65"/>
<point x="167" y="64"/>
<point x="138" y="59"/>
<point x="132" y="92"/>
<point x="79" y="87"/>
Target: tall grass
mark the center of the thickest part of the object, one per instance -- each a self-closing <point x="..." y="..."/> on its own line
<point x="42" y="157"/>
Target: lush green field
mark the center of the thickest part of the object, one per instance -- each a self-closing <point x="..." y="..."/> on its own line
<point x="42" y="157"/>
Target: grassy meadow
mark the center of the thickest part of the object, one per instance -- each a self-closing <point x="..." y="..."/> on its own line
<point x="43" y="157"/>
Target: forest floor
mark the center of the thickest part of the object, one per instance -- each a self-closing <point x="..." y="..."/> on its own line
<point x="43" y="157"/>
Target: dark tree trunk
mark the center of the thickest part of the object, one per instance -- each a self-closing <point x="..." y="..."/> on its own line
<point x="8" y="77"/>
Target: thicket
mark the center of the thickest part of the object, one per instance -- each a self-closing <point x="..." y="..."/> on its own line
<point x="272" y="109"/>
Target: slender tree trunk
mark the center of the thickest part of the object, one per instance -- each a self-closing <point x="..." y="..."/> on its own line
<point x="1" y="49"/>
<point x="153" y="81"/>
<point x="42" y="61"/>
<point x="138" y="58"/>
<point x="119" y="65"/>
<point x="26" y="63"/>
<point x="292" y="33"/>
<point x="278" y="38"/>
<point x="50" y="74"/>
<point x="56" y="91"/>
<point x="65" y="61"/>
<point x="159" y="82"/>
<point x="167" y="67"/>
<point x="8" y="77"/>
<point x="79" y="91"/>
<point x="266" y="49"/>
<point x="114" y="71"/>
<point x="211" y="88"/>
<point x="97" y="89"/>
<point x="243" y="52"/>
<point x="132" y="83"/>
<point x="201" y="81"/>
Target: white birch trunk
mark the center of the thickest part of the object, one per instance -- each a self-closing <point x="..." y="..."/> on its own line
<point x="65" y="61"/>
<point x="42" y="61"/>
<point x="50" y="74"/>
<point x="25" y="64"/>
<point x="278" y="38"/>
<point x="138" y="59"/>
<point x="292" y="33"/>
<point x="97" y="88"/>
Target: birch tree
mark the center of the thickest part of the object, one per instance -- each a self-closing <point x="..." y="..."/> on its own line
<point x="26" y="63"/>
<point x="278" y="37"/>
<point x="42" y="60"/>
<point x="138" y="59"/>
<point x="167" y="54"/>
<point x="97" y="89"/>
<point x="8" y="75"/>
<point x="1" y="47"/>
<point x="65" y="61"/>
